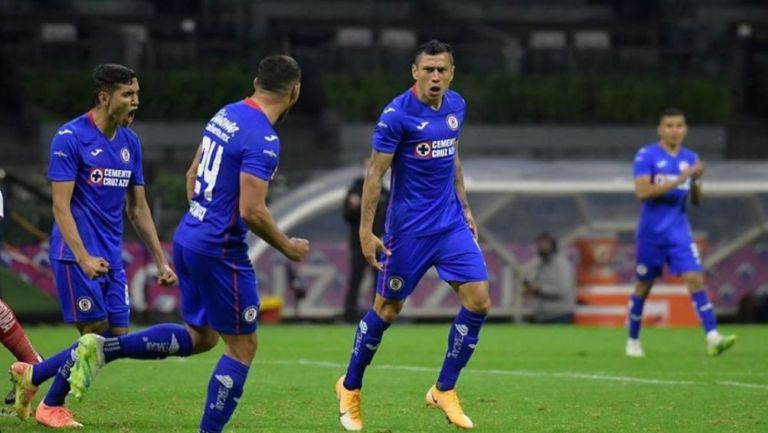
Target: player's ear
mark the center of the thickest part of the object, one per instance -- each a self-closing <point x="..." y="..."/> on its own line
<point x="295" y="91"/>
<point x="255" y="83"/>
<point x="102" y="97"/>
<point x="414" y="69"/>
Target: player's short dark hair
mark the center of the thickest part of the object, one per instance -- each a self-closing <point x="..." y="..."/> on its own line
<point x="107" y="76"/>
<point x="547" y="237"/>
<point x="670" y="112"/>
<point x="278" y="73"/>
<point x="432" y="48"/>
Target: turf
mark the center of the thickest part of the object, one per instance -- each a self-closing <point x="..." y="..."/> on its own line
<point x="521" y="379"/>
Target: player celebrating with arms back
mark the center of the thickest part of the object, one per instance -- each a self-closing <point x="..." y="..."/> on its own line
<point x="428" y="223"/>
<point x="227" y="186"/>
<point x="665" y="173"/>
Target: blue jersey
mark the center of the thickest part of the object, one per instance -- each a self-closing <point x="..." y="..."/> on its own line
<point x="663" y="215"/>
<point x="239" y="138"/>
<point x="102" y="170"/>
<point x="423" y="198"/>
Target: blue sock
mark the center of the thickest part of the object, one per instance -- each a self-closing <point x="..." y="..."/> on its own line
<point x="636" y="304"/>
<point x="705" y="310"/>
<point x="156" y="342"/>
<point x="462" y="339"/>
<point x="224" y="391"/>
<point x="59" y="389"/>
<point x="50" y="366"/>
<point x="367" y="339"/>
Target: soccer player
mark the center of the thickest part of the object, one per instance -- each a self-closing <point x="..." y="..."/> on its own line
<point x="227" y="185"/>
<point x="96" y="173"/>
<point x="665" y="174"/>
<point x="12" y="335"/>
<point x="429" y="223"/>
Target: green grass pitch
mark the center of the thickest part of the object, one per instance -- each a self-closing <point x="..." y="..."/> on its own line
<point x="521" y="379"/>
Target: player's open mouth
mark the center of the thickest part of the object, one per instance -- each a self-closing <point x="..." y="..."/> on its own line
<point x="132" y="114"/>
<point x="434" y="89"/>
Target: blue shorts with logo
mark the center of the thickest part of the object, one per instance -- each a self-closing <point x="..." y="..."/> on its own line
<point x="90" y="300"/>
<point x="678" y="250"/>
<point x="220" y="292"/>
<point x="455" y="254"/>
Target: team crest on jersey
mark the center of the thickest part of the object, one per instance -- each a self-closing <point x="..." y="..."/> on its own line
<point x="452" y="122"/>
<point x="683" y="165"/>
<point x="395" y="283"/>
<point x="125" y="155"/>
<point x="96" y="176"/>
<point x="423" y="150"/>
<point x="641" y="269"/>
<point x="84" y="304"/>
<point x="250" y="314"/>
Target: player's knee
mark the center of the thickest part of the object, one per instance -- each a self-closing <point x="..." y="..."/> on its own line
<point x="98" y="327"/>
<point x="243" y="349"/>
<point x="479" y="306"/>
<point x="694" y="281"/>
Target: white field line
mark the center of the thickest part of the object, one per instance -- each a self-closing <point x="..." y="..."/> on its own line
<point x="518" y="373"/>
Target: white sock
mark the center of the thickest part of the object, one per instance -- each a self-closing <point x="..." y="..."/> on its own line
<point x="713" y="336"/>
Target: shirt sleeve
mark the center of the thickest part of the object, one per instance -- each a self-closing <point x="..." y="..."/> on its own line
<point x="643" y="165"/>
<point x="137" y="174"/>
<point x="388" y="132"/>
<point x="261" y="158"/>
<point x="64" y="158"/>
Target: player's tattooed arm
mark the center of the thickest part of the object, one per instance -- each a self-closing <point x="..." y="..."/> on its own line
<point x="254" y="212"/>
<point x="191" y="175"/>
<point x="458" y="182"/>
<point x="140" y="216"/>
<point x="370" y="243"/>
<point x="62" y="213"/>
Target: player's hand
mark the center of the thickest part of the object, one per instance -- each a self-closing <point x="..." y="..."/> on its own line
<point x="370" y="244"/>
<point x="698" y="169"/>
<point x="694" y="171"/>
<point x="166" y="276"/>
<point x="471" y="222"/>
<point x="298" y="249"/>
<point x="93" y="266"/>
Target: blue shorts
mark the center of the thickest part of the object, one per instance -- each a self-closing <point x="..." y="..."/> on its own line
<point x="218" y="292"/>
<point x="454" y="254"/>
<point x="90" y="300"/>
<point x="679" y="251"/>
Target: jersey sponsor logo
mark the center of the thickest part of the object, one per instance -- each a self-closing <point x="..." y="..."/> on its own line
<point x="84" y="304"/>
<point x="109" y="177"/>
<point x="683" y="165"/>
<point x="125" y="155"/>
<point x="96" y="152"/>
<point x="662" y="163"/>
<point x="221" y="127"/>
<point x="65" y="132"/>
<point x="250" y="314"/>
<point x="452" y="121"/>
<point x="271" y="138"/>
<point x="60" y="154"/>
<point x="423" y="149"/>
<point x="395" y="283"/>
<point x="96" y="176"/>
<point x="422" y="125"/>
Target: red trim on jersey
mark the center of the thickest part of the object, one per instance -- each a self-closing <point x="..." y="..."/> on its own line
<point x="413" y="90"/>
<point x="71" y="293"/>
<point x="90" y="117"/>
<point x="251" y="103"/>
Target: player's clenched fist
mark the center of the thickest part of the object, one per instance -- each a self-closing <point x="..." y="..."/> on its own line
<point x="299" y="248"/>
<point x="93" y="266"/>
<point x="166" y="276"/>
